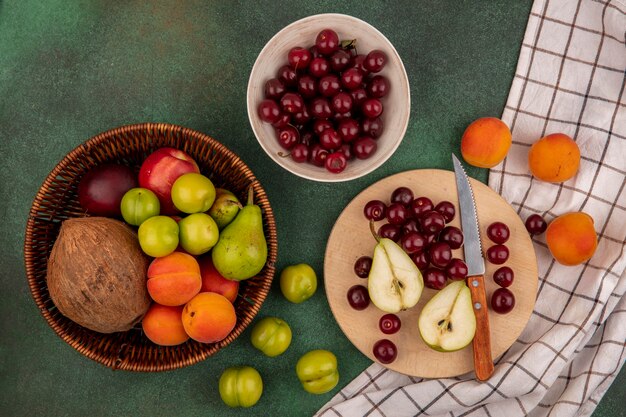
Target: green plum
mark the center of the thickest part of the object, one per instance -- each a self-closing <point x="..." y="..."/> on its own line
<point x="317" y="371"/>
<point x="158" y="236"/>
<point x="138" y="205"/>
<point x="198" y="233"/>
<point x="241" y="386"/>
<point x="298" y="282"/>
<point x="271" y="336"/>
<point x="193" y="193"/>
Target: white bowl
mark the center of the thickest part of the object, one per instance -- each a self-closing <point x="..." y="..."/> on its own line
<point x="397" y="103"/>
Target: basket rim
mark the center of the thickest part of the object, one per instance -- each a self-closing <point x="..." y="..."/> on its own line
<point x="211" y="349"/>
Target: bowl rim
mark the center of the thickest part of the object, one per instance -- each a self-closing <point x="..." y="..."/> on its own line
<point x="191" y="355"/>
<point x="251" y="106"/>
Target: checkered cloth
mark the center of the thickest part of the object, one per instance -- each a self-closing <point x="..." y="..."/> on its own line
<point x="570" y="78"/>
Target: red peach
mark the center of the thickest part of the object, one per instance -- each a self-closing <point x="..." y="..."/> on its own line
<point x="159" y="172"/>
<point x="213" y="281"/>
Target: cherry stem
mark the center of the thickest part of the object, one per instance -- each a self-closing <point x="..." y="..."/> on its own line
<point x="374" y="231"/>
<point x="284" y="155"/>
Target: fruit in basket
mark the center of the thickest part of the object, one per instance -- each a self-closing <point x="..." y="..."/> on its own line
<point x="447" y="322"/>
<point x="298" y="283"/>
<point x="317" y="371"/>
<point x="209" y="317"/>
<point x="224" y="208"/>
<point x="241" y="251"/>
<point x="485" y="142"/>
<point x="572" y="238"/>
<point x="101" y="189"/>
<point x="158" y="236"/>
<point x="138" y="205"/>
<point x="554" y="158"/>
<point x="159" y="172"/>
<point x="174" y="279"/>
<point x="193" y="193"/>
<point x="240" y="386"/>
<point x="271" y="335"/>
<point x="163" y="325"/>
<point x="198" y="233"/>
<point x="212" y="281"/>
<point x="394" y="282"/>
<point x="96" y="274"/>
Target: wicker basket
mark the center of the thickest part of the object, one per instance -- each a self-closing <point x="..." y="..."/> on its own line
<point x="57" y="200"/>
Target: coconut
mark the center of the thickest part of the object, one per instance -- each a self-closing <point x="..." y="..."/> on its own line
<point x="97" y="274"/>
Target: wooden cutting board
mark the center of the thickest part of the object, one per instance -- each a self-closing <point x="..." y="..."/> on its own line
<point x="350" y="239"/>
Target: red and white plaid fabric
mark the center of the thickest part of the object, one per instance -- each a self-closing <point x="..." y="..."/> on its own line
<point x="570" y="78"/>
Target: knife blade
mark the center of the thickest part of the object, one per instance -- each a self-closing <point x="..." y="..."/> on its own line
<point x="472" y="248"/>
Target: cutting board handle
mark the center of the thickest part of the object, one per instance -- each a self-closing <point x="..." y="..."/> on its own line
<point x="483" y="363"/>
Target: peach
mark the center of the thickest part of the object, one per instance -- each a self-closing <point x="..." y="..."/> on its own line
<point x="485" y="142"/>
<point x="554" y="158"/>
<point x="163" y="325"/>
<point x="209" y="317"/>
<point x="213" y="281"/>
<point x="159" y="172"/>
<point x="572" y="238"/>
<point x="174" y="279"/>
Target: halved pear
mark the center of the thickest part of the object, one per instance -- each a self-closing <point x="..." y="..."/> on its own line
<point x="447" y="322"/>
<point x="394" y="282"/>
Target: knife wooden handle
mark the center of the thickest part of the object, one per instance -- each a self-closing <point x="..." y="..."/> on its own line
<point x="483" y="363"/>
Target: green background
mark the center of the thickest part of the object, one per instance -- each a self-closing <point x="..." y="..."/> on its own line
<point x="72" y="69"/>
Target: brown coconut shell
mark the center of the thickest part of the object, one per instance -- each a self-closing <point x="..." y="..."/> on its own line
<point x="97" y="274"/>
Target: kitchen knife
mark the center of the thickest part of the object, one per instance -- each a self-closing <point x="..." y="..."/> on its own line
<point x="483" y="363"/>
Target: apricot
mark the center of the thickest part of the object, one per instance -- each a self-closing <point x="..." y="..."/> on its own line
<point x="572" y="238"/>
<point x="163" y="325"/>
<point x="174" y="279"/>
<point x="554" y="158"/>
<point x="209" y="317"/>
<point x="485" y="142"/>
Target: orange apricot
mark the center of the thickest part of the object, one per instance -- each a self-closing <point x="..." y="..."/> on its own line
<point x="209" y="317"/>
<point x="554" y="158"/>
<point x="485" y="142"/>
<point x="163" y="325"/>
<point x="174" y="279"/>
<point x="572" y="238"/>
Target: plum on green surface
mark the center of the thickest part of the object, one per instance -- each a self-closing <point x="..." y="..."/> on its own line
<point x="241" y="386"/>
<point x="317" y="371"/>
<point x="298" y="282"/>
<point x="271" y="335"/>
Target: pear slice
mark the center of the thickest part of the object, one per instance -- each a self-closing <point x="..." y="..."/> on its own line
<point x="394" y="282"/>
<point x="447" y="322"/>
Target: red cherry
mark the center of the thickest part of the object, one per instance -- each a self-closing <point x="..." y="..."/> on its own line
<point x="299" y="58"/>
